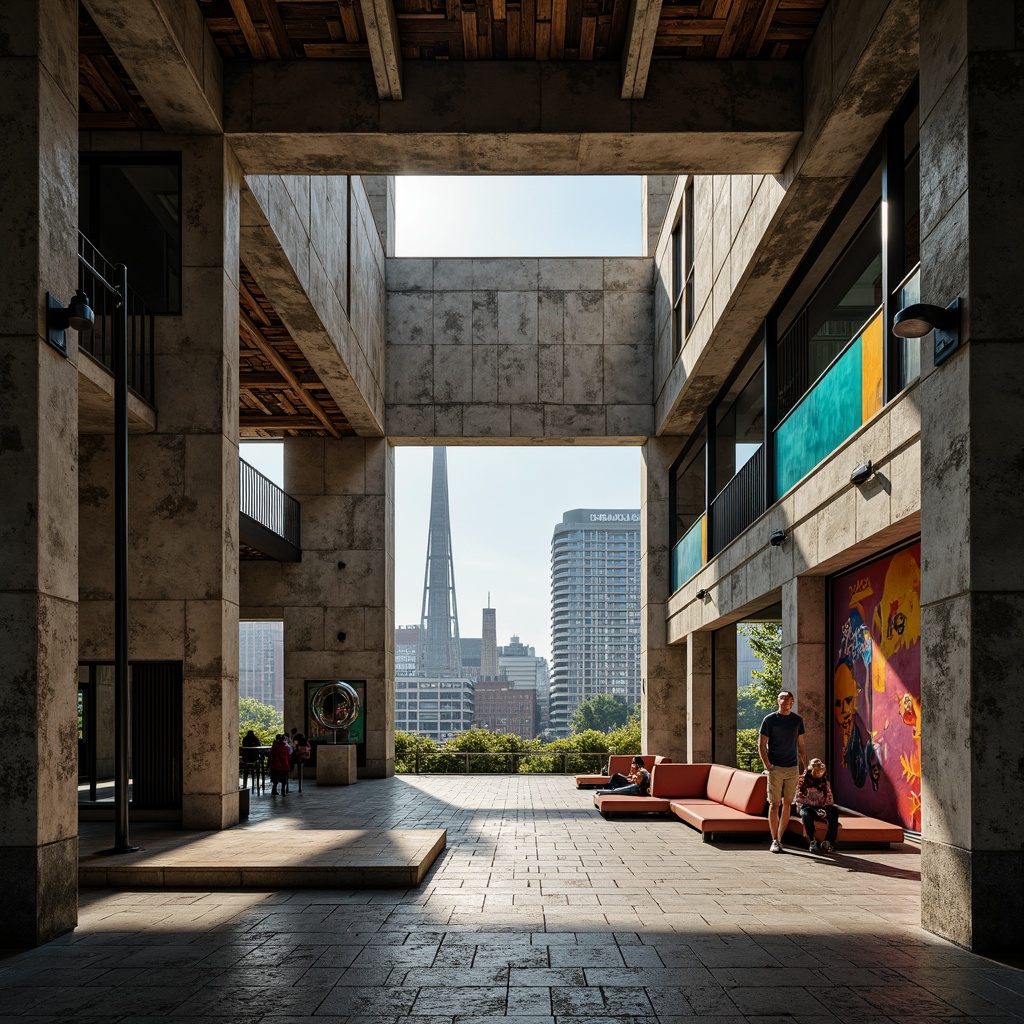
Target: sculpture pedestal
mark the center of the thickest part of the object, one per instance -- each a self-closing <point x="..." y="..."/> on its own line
<point x="336" y="764"/>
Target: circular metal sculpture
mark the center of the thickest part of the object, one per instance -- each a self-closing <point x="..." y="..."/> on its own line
<point x="335" y="705"/>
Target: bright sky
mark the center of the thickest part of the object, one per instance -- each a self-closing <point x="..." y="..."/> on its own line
<point x="505" y="502"/>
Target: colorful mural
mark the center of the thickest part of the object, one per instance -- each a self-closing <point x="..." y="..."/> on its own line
<point x="876" y="688"/>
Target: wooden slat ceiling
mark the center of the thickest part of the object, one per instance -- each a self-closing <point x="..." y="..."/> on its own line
<point x="525" y="29"/>
<point x="107" y="97"/>
<point x="278" y="393"/>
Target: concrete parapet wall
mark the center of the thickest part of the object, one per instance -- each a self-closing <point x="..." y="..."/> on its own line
<point x="523" y="350"/>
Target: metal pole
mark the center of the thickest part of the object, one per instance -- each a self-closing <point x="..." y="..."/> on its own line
<point x="122" y="693"/>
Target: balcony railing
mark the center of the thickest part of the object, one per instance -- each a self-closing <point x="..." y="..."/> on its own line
<point x="96" y="277"/>
<point x="739" y="502"/>
<point x="460" y="762"/>
<point x="843" y="398"/>
<point x="689" y="554"/>
<point x="270" y="518"/>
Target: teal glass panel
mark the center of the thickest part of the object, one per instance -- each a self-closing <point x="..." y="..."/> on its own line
<point x="824" y="418"/>
<point x="688" y="554"/>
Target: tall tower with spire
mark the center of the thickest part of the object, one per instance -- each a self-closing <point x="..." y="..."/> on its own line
<point x="489" y="643"/>
<point x="439" y="654"/>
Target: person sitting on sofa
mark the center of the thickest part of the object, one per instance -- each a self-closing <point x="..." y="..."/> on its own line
<point x="814" y="802"/>
<point x="637" y="783"/>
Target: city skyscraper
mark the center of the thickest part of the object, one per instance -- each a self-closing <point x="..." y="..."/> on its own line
<point x="439" y="655"/>
<point x="261" y="661"/>
<point x="595" y="610"/>
<point x="489" y="642"/>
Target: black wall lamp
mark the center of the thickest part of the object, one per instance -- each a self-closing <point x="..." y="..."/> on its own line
<point x="920" y="318"/>
<point x="862" y="473"/>
<point x="341" y="637"/>
<point x="702" y="593"/>
<point x="777" y="538"/>
<point x="77" y="315"/>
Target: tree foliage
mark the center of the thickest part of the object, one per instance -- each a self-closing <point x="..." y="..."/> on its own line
<point x="746" y="750"/>
<point x="601" y="713"/>
<point x="765" y="640"/>
<point x="264" y="720"/>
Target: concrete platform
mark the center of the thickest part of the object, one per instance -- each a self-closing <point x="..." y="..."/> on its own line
<point x="376" y="858"/>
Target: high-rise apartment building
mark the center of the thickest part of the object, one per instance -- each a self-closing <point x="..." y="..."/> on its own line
<point x="595" y="610"/>
<point x="261" y="662"/>
<point x="521" y="666"/>
<point x="435" y="708"/>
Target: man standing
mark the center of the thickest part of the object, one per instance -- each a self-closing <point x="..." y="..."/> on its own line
<point x="781" y="746"/>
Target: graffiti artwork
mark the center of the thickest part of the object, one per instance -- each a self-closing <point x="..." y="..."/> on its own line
<point x="876" y="688"/>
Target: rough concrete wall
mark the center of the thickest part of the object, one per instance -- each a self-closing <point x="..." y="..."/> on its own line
<point x="380" y="193"/>
<point x="346" y="490"/>
<point x="656" y="197"/>
<point x="313" y="247"/>
<point x="38" y="453"/>
<point x="183" y="496"/>
<point x="752" y="231"/>
<point x="540" y="350"/>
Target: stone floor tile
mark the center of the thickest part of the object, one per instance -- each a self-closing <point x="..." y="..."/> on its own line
<point x="473" y="1001"/>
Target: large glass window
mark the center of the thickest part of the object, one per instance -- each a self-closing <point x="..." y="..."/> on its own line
<point x="690" y="492"/>
<point x="739" y="427"/>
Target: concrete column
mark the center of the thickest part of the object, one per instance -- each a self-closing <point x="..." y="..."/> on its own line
<point x="972" y="447"/>
<point x="803" y="654"/>
<point x="183" y="494"/>
<point x="657" y="194"/>
<point x="38" y="455"/>
<point x="699" y="712"/>
<point x="346" y="490"/>
<point x="663" y="718"/>
<point x="724" y="682"/>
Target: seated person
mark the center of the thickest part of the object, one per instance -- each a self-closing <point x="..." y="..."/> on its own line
<point x="814" y="802"/>
<point x="637" y="783"/>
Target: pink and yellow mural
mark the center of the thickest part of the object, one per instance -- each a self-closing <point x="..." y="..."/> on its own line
<point x="876" y="688"/>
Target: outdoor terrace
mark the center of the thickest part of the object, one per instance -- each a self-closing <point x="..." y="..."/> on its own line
<point x="537" y="910"/>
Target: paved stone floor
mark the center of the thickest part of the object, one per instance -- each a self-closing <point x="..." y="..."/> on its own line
<point x="539" y="910"/>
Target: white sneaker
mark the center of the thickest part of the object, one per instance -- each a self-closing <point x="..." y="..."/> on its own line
<point x="814" y="847"/>
<point x="776" y="846"/>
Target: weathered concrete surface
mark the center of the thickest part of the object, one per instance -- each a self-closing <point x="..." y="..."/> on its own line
<point x="519" y="350"/>
<point x="545" y="117"/>
<point x="664" y="705"/>
<point x="972" y="450"/>
<point x="752" y="231"/>
<point x="38" y="455"/>
<point x="314" y="249"/>
<point x="657" y="195"/>
<point x="183" y="496"/>
<point x="346" y="488"/>
<point x="804" y="668"/>
<point x="724" y="680"/>
<point x="380" y="194"/>
<point x="170" y="56"/>
<point x="699" y="688"/>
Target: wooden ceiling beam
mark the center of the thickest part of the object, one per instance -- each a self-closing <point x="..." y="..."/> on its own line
<point x="251" y="421"/>
<point x="641" y="30"/>
<point x="385" y="49"/>
<point x="280" y="364"/>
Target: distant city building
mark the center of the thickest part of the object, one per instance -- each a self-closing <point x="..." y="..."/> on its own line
<point x="503" y="708"/>
<point x="470" y="647"/>
<point x="435" y="708"/>
<point x="261" y="662"/>
<point x="520" y="665"/>
<point x="489" y="642"/>
<point x="407" y="640"/>
<point x="595" y="610"/>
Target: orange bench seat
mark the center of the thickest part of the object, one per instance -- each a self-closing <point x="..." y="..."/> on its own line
<point x="621" y="763"/>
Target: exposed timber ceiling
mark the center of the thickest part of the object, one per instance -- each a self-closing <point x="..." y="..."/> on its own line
<point x="526" y="29"/>
<point x="279" y="394"/>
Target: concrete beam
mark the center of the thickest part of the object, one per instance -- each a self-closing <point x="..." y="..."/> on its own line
<point x="385" y="49"/>
<point x="325" y="117"/>
<point x="171" y="57"/>
<point x="639" y="48"/>
<point x="293" y="240"/>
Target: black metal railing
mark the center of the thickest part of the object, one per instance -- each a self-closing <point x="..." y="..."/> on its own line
<point x="97" y="277"/>
<point x="262" y="500"/>
<point x="792" y="369"/>
<point x="738" y="503"/>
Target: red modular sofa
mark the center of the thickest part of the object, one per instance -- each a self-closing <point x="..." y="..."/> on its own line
<point x="622" y="763"/>
<point x="719" y="800"/>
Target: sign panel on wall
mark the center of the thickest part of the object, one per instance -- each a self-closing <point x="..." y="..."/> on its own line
<point x="876" y="688"/>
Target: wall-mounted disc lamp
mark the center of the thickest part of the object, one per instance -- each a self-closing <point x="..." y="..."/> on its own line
<point x="702" y="593"/>
<point x="920" y="318"/>
<point x="77" y="315"/>
<point x="862" y="473"/>
<point x="777" y="538"/>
